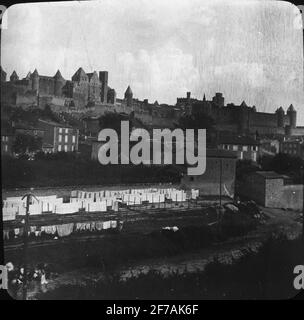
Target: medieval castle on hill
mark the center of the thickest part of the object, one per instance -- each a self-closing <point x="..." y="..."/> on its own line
<point x="81" y="89"/>
<point x="90" y="91"/>
<point x="242" y="118"/>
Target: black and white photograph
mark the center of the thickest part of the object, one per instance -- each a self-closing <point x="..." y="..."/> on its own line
<point x="152" y="150"/>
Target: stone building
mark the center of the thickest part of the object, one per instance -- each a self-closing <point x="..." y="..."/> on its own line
<point x="154" y="115"/>
<point x="245" y="147"/>
<point x="241" y="119"/>
<point x="219" y="177"/>
<point x="3" y="75"/>
<point x="271" y="190"/>
<point x="7" y="140"/>
<point x="293" y="146"/>
<point x="59" y="137"/>
<point x="82" y="88"/>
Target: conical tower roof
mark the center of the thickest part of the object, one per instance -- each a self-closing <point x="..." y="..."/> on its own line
<point x="128" y="91"/>
<point x="14" y="74"/>
<point x="28" y="76"/>
<point x="58" y="75"/>
<point x="243" y="104"/>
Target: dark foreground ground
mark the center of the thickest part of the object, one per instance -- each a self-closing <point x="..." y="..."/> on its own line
<point x="267" y="274"/>
<point x="92" y="267"/>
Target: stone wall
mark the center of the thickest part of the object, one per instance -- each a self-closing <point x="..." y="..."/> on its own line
<point x="271" y="193"/>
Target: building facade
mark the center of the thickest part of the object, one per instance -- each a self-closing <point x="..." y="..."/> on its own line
<point x="61" y="137"/>
<point x="293" y="147"/>
<point x="245" y="147"/>
<point x="219" y="177"/>
<point x="7" y="140"/>
<point x="270" y="189"/>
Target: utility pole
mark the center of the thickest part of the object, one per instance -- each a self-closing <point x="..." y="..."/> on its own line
<point x="25" y="234"/>
<point x="221" y="181"/>
<point x="302" y="174"/>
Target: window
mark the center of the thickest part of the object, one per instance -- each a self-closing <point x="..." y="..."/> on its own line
<point x="60" y="130"/>
<point x="65" y="148"/>
<point x="245" y="148"/>
<point x="60" y="138"/>
<point x="255" y="148"/>
<point x="74" y="139"/>
<point x="6" y="148"/>
<point x="66" y="139"/>
<point x="66" y="131"/>
<point x="72" y="148"/>
<point x="234" y="148"/>
<point x="59" y="148"/>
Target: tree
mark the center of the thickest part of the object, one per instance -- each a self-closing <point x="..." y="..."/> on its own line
<point x="113" y="120"/>
<point x="25" y="143"/>
<point x="201" y="121"/>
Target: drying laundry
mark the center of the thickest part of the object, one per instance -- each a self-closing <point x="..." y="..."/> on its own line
<point x="65" y="230"/>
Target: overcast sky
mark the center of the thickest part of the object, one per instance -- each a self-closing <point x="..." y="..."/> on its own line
<point x="249" y="50"/>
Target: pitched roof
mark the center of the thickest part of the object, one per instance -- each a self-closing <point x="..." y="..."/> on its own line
<point x="79" y="74"/>
<point x="218" y="153"/>
<point x="55" y="124"/>
<point x="238" y="140"/>
<point x="270" y="175"/>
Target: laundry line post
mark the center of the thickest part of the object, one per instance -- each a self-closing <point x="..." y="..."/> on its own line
<point x="28" y="197"/>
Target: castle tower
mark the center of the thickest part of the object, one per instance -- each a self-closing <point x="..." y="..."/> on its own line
<point x="129" y="97"/>
<point x="58" y="84"/>
<point x="244" y="118"/>
<point x="3" y="75"/>
<point x="188" y="97"/>
<point x="218" y="99"/>
<point x="111" y="96"/>
<point x="280" y="116"/>
<point x="14" y="76"/>
<point x="292" y="114"/>
<point x="207" y="107"/>
<point x="35" y="81"/>
<point x="103" y="78"/>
